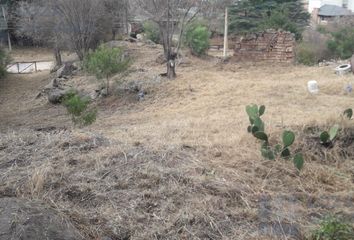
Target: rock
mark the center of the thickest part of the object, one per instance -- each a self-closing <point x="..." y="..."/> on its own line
<point x="115" y="44"/>
<point x="134" y="86"/>
<point x="349" y="88"/>
<point x="103" y="92"/>
<point x="54" y="83"/>
<point x="77" y="65"/>
<point x="150" y="44"/>
<point x="54" y="90"/>
<point x="140" y="37"/>
<point x="55" y="95"/>
<point x="141" y="95"/>
<point x="21" y="219"/>
<point x="66" y="70"/>
<point x="96" y="93"/>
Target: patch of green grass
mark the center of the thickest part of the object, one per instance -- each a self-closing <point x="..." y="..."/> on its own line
<point x="332" y="228"/>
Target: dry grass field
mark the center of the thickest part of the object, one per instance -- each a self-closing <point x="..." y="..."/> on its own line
<point x="180" y="164"/>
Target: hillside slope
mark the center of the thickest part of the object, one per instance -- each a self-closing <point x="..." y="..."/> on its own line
<point x="180" y="164"/>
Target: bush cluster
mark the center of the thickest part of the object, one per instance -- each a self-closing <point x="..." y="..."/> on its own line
<point x="332" y="41"/>
<point x="313" y="48"/>
<point x="197" y="39"/>
<point x="152" y="31"/>
<point x="105" y="62"/>
<point x="305" y="54"/>
<point x="78" y="108"/>
<point x="341" y="44"/>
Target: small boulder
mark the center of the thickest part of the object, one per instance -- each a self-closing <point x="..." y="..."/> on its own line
<point x="66" y="70"/>
<point x="54" y="83"/>
<point x="140" y="37"/>
<point x="141" y="95"/>
<point x="150" y="44"/>
<point x="55" y="95"/>
<point x="28" y="220"/>
<point x="116" y="44"/>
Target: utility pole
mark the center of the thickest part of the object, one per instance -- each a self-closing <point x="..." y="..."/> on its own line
<point x="226" y="32"/>
<point x="7" y="29"/>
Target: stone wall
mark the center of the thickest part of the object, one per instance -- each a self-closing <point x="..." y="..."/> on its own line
<point x="270" y="45"/>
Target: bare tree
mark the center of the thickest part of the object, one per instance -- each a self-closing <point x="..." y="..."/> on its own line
<point x="38" y="22"/>
<point x="118" y="13"/>
<point x="81" y="22"/>
<point x="74" y="24"/>
<point x="213" y="13"/>
<point x="170" y="16"/>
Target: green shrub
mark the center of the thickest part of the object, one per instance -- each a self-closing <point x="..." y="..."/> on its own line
<point x="197" y="39"/>
<point x="280" y="20"/>
<point x="105" y="62"/>
<point x="341" y="44"/>
<point x="333" y="228"/>
<point x="313" y="48"/>
<point x="78" y="108"/>
<point x="152" y="31"/>
<point x="306" y="54"/>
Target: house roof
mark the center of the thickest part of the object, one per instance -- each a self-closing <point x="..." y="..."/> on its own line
<point x="333" y="11"/>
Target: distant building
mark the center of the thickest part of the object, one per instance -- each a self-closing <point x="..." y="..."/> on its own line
<point x="316" y="4"/>
<point x="328" y="12"/>
<point x="323" y="11"/>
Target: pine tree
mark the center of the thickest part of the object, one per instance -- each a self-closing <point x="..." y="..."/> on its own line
<point x="247" y="16"/>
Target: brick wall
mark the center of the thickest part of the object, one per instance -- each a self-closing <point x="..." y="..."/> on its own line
<point x="270" y="45"/>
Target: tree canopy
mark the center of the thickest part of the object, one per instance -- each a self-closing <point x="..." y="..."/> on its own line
<point x="247" y="16"/>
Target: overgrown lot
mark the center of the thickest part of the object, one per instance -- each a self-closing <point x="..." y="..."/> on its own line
<point x="180" y="164"/>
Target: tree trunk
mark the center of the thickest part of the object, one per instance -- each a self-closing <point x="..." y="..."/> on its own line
<point x="80" y="54"/>
<point x="113" y="34"/>
<point x="57" y="55"/>
<point x="171" y="69"/>
<point x="107" y="85"/>
<point x="226" y="43"/>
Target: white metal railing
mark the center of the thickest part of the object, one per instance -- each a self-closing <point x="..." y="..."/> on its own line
<point x="29" y="67"/>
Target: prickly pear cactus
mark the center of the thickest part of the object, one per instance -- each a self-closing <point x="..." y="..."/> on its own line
<point x="298" y="161"/>
<point x="288" y="138"/>
<point x="348" y="113"/>
<point x="328" y="137"/>
<point x="254" y="113"/>
<point x="256" y="127"/>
